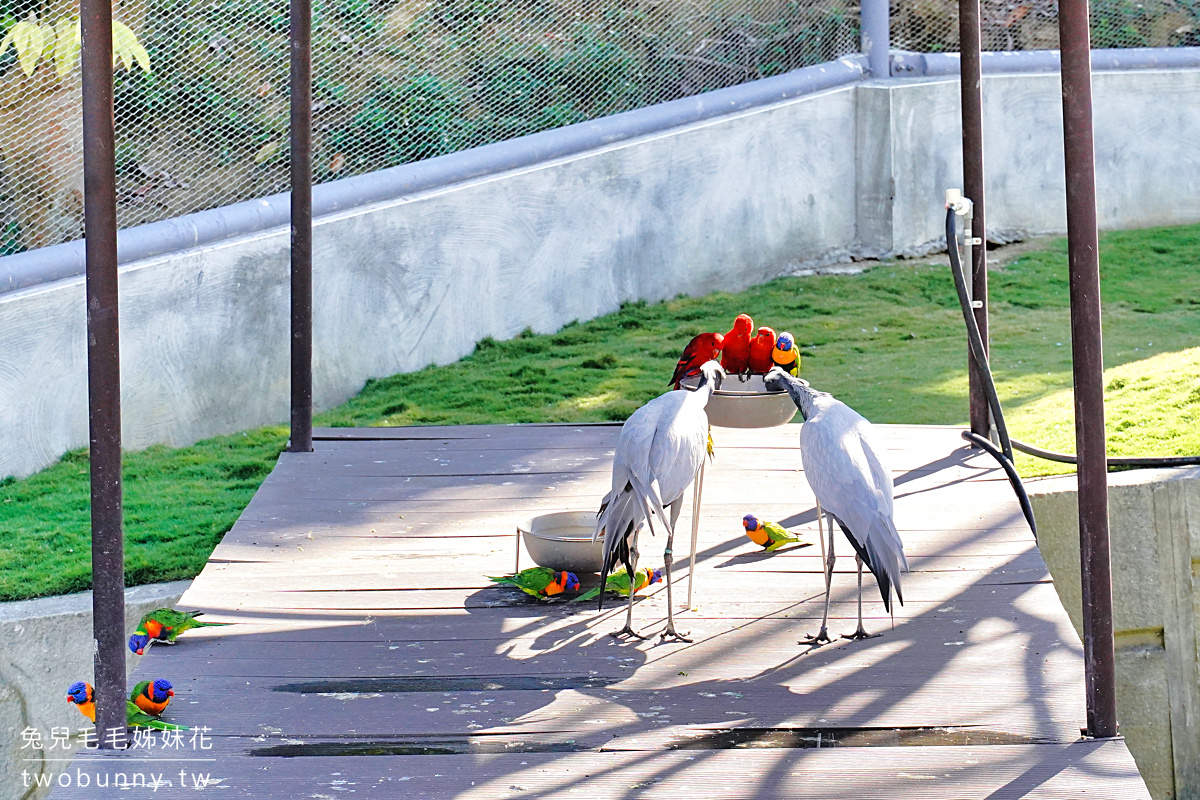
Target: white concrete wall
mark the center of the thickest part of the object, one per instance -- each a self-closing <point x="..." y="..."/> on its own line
<point x="720" y="204"/>
<point x="1154" y="518"/>
<point x="45" y="646"/>
<point x="1147" y="126"/>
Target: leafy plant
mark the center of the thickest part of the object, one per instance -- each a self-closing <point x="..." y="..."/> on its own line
<point x="60" y="43"/>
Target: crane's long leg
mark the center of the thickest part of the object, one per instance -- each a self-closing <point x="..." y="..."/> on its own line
<point x="860" y="632"/>
<point x="631" y="566"/>
<point x="669" y="632"/>
<point x="828" y="560"/>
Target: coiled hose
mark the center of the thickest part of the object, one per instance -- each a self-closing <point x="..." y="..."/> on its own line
<point x="1004" y="454"/>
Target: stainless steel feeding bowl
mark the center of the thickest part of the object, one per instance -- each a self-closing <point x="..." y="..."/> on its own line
<point x="745" y="402"/>
<point x="563" y="541"/>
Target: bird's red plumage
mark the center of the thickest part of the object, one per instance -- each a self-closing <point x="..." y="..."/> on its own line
<point x="703" y="347"/>
<point x="735" y="356"/>
<point x="760" y="350"/>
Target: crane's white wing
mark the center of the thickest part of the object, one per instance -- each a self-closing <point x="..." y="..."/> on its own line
<point x="844" y="468"/>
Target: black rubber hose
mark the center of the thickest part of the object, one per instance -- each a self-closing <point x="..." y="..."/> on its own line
<point x="989" y="386"/>
<point x="1011" y="471"/>
<point x="974" y="338"/>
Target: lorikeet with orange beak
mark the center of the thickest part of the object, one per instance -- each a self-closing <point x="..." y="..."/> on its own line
<point x="84" y="698"/>
<point x="760" y="351"/>
<point x="540" y="582"/>
<point x="703" y="347"/>
<point x="770" y="536"/>
<point x="162" y="626"/>
<point x="618" y="583"/>
<point x="152" y="696"/>
<point x="735" y="355"/>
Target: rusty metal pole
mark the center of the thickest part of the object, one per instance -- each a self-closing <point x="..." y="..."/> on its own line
<point x="300" y="39"/>
<point x="1088" y="364"/>
<point x="104" y="372"/>
<point x="971" y="86"/>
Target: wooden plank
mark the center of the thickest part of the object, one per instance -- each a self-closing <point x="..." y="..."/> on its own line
<point x="1053" y="771"/>
<point x="359" y="570"/>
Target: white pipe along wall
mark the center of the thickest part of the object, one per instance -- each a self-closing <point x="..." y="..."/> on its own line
<point x="721" y="203"/>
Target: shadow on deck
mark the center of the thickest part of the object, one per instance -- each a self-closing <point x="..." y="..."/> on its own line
<point x="373" y="656"/>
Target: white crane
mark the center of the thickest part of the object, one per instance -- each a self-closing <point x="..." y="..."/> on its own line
<point x="659" y="452"/>
<point x="851" y="484"/>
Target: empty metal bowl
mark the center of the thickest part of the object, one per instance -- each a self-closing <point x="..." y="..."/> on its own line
<point x="563" y="541"/>
<point x="745" y="402"/>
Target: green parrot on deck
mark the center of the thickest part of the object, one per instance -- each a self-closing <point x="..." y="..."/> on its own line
<point x="769" y="535"/>
<point x="540" y="582"/>
<point x="618" y="583"/>
<point x="83" y="696"/>
<point x="162" y="626"/>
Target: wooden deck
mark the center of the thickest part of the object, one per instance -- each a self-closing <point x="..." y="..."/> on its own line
<point x="373" y="659"/>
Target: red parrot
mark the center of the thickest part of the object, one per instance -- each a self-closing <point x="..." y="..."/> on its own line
<point x="760" y="351"/>
<point x="735" y="356"/>
<point x="704" y="347"/>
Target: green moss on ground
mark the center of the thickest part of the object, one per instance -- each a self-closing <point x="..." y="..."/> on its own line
<point x="889" y="342"/>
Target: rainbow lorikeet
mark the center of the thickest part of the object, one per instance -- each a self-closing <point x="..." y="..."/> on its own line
<point x="618" y="583"/>
<point x="761" y="348"/>
<point x="540" y="582"/>
<point x="163" y="625"/>
<point x="769" y="535"/>
<point x="703" y="347"/>
<point x="735" y="355"/>
<point x="152" y="696"/>
<point x="786" y="355"/>
<point x="83" y="696"/>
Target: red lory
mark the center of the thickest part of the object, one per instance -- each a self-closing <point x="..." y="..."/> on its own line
<point x="735" y="356"/>
<point x="760" y="351"/>
<point x="703" y="347"/>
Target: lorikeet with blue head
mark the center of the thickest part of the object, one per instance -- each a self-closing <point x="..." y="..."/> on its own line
<point x="618" y="583"/>
<point x="786" y="355"/>
<point x="152" y="696"/>
<point x="770" y="536"/>
<point x="735" y="355"/>
<point x="540" y="582"/>
<point x="761" y="348"/>
<point x="162" y="625"/>
<point x="702" y="348"/>
<point x="84" y="698"/>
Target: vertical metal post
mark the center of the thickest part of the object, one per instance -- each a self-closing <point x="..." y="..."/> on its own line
<point x="875" y="36"/>
<point x="104" y="372"/>
<point x="971" y="85"/>
<point x="1088" y="365"/>
<point x="300" y="39"/>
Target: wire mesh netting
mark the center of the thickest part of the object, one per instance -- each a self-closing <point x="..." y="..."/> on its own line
<point x="931" y="26"/>
<point x="202" y="97"/>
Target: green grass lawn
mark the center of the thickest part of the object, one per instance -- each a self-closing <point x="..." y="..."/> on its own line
<point x="889" y="342"/>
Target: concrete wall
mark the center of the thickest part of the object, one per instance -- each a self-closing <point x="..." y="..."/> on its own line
<point x="717" y="204"/>
<point x="45" y="646"/>
<point x="1155" y="528"/>
<point x="1147" y="154"/>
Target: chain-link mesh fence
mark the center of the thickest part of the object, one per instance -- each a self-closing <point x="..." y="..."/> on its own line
<point x="931" y="26"/>
<point x="393" y="81"/>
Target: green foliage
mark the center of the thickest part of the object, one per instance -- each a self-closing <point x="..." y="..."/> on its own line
<point x="889" y="342"/>
<point x="407" y="120"/>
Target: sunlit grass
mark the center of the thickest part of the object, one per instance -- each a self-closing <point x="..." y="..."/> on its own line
<point x="889" y="342"/>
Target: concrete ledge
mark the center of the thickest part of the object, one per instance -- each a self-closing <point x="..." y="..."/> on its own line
<point x="45" y="646"/>
<point x="1154" y="517"/>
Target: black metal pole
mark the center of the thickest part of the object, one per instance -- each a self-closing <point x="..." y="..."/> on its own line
<point x="971" y="86"/>
<point x="301" y="178"/>
<point x="104" y="372"/>
<point x="1088" y="364"/>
